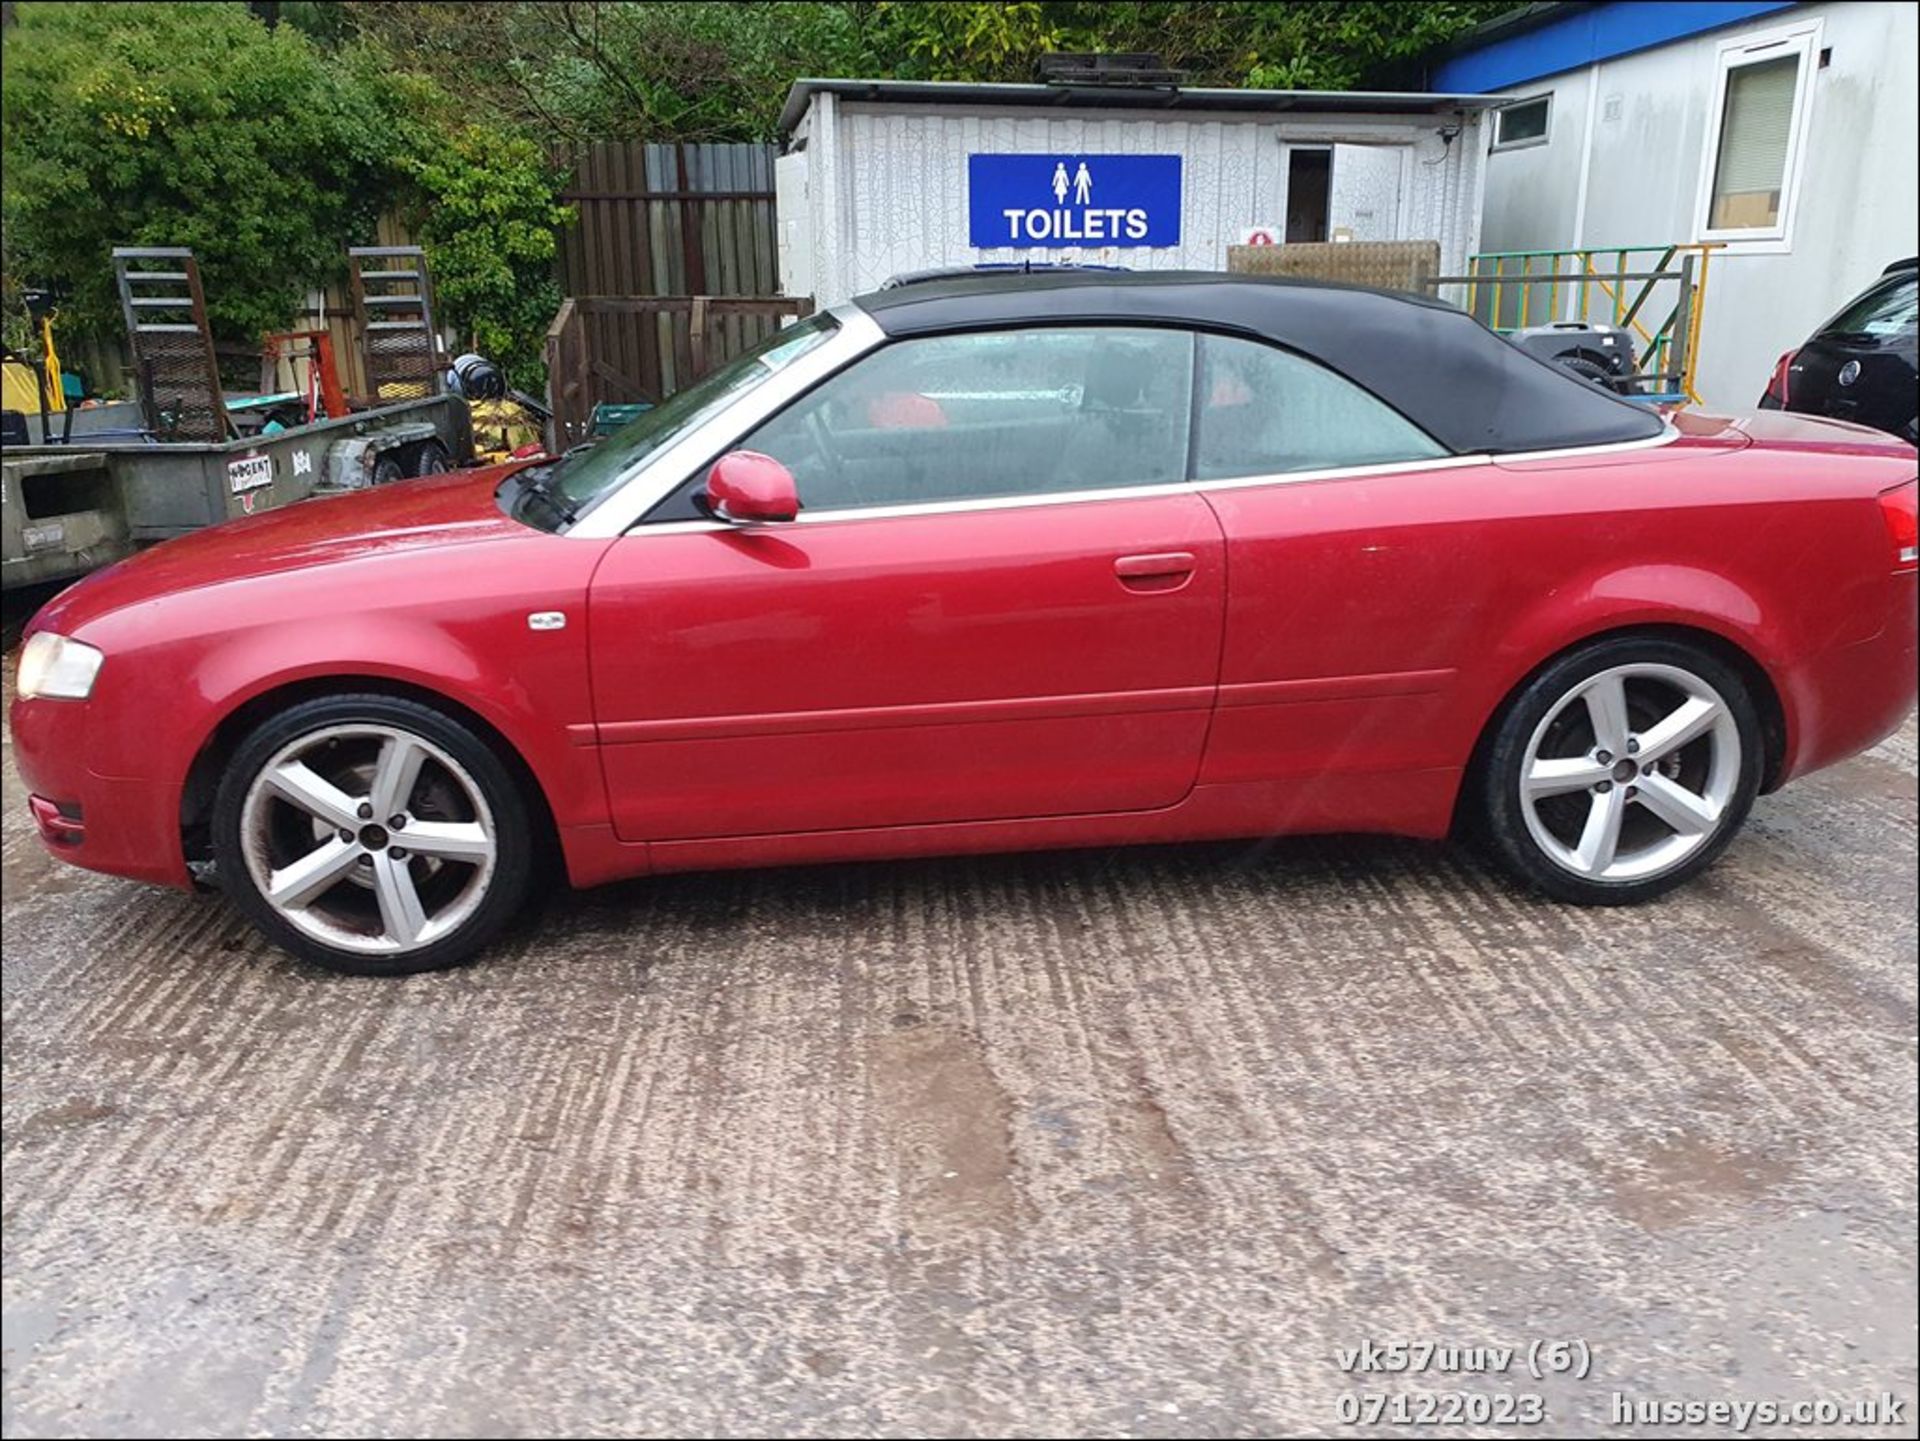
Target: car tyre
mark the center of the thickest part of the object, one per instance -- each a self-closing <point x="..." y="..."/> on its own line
<point x="432" y="459"/>
<point x="300" y="849"/>
<point x="1620" y="770"/>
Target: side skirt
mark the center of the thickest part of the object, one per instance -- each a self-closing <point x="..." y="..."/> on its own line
<point x="1418" y="804"/>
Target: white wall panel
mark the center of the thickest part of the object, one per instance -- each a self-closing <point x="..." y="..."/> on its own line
<point x="887" y="184"/>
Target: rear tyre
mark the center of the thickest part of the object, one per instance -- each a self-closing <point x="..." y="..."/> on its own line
<point x="432" y="459"/>
<point x="1620" y="771"/>
<point x="387" y="469"/>
<point x="372" y="835"/>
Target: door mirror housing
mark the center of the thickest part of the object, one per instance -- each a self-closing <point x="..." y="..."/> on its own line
<point x="748" y="488"/>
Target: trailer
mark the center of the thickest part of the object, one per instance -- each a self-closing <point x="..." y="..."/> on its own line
<point x="68" y="509"/>
<point x="107" y="480"/>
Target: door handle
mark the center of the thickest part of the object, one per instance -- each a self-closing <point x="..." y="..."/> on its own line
<point x="1163" y="566"/>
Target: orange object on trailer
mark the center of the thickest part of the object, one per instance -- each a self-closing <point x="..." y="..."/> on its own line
<point x="324" y="391"/>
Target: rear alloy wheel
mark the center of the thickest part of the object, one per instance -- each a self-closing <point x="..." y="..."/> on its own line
<point x="1622" y="770"/>
<point x="373" y="835"/>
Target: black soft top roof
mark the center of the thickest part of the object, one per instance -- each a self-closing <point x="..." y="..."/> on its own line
<point x="1458" y="381"/>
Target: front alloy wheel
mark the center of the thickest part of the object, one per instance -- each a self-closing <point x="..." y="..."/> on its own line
<point x="1622" y="770"/>
<point x="373" y="835"/>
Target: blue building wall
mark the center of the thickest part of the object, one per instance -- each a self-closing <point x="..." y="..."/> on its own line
<point x="1586" y="35"/>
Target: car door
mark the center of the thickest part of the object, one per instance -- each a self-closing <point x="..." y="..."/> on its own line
<point x="1352" y="594"/>
<point x="1001" y="600"/>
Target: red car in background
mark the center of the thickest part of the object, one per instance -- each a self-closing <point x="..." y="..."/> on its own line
<point x="988" y="564"/>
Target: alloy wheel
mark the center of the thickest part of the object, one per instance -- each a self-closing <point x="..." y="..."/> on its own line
<point x="1632" y="771"/>
<point x="368" y="838"/>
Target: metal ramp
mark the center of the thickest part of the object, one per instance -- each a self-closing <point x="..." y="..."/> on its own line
<point x="166" y="315"/>
<point x="393" y="310"/>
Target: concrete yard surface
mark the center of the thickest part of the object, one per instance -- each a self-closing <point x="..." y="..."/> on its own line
<point x="1122" y="1142"/>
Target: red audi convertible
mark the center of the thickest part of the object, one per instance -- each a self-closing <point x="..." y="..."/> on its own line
<point x="992" y="564"/>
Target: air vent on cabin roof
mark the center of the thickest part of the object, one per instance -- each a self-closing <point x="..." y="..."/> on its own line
<point x="1078" y="68"/>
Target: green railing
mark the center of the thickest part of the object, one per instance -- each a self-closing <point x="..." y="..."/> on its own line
<point x="1618" y="285"/>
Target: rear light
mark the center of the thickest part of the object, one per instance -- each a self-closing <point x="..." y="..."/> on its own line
<point x="1777" y="386"/>
<point x="1900" y="508"/>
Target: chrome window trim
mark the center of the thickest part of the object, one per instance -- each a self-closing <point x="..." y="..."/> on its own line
<point x="1132" y="492"/>
<point x="664" y="472"/>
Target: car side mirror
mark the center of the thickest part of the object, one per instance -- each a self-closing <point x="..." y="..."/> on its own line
<point x="746" y="488"/>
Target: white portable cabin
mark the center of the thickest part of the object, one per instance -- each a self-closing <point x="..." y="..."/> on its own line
<point x="880" y="178"/>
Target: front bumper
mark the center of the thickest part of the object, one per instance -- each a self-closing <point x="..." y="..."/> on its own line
<point x="122" y="826"/>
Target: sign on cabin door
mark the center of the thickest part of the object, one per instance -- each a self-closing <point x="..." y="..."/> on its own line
<point x="1366" y="193"/>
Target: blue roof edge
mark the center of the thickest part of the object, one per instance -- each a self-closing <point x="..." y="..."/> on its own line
<point x="1585" y="35"/>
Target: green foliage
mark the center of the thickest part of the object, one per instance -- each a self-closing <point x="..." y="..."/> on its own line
<point x="976" y="41"/>
<point x="184" y="124"/>
<point x="1265" y="44"/>
<point x="679" y="70"/>
<point x="571" y="70"/>
<point x="487" y="220"/>
<point x="1339" y="44"/>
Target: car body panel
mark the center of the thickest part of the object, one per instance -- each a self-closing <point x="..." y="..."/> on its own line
<point x="1441" y="597"/>
<point x="424" y="585"/>
<point x="826" y="674"/>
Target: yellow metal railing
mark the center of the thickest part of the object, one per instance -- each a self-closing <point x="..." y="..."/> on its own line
<point x="1504" y="287"/>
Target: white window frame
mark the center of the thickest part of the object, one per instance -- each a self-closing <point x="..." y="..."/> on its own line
<point x="1544" y="137"/>
<point x="1803" y="42"/>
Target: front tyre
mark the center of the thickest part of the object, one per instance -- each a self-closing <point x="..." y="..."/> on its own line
<point x="372" y="835"/>
<point x="1621" y="770"/>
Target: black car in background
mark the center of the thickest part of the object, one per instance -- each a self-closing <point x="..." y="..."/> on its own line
<point x="1860" y="365"/>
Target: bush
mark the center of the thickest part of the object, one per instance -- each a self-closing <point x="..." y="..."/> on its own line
<point x="186" y="124"/>
<point x="487" y="219"/>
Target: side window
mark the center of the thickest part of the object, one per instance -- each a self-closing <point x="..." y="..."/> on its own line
<point x="1761" y="94"/>
<point x="1263" y="411"/>
<point x="994" y="413"/>
<point x="1522" y="123"/>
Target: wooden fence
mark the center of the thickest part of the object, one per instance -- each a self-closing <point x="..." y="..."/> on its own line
<point x="670" y="220"/>
<point x="627" y="348"/>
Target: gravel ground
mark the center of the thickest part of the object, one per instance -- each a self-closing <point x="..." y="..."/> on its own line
<point x="1130" y="1142"/>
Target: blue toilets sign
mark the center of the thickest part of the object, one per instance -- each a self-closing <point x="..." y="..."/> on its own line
<point x="1046" y="202"/>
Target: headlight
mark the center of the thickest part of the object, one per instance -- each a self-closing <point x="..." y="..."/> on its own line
<point x="56" y="667"/>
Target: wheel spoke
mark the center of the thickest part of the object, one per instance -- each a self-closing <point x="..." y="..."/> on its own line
<point x="400" y="909"/>
<point x="1687" y="813"/>
<point x="1606" y="700"/>
<point x="1691" y="720"/>
<point x="301" y="785"/>
<point x="395" y="775"/>
<point x="1558" y="777"/>
<point x="449" y="840"/>
<point x="313" y="875"/>
<point x="1600" y="838"/>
